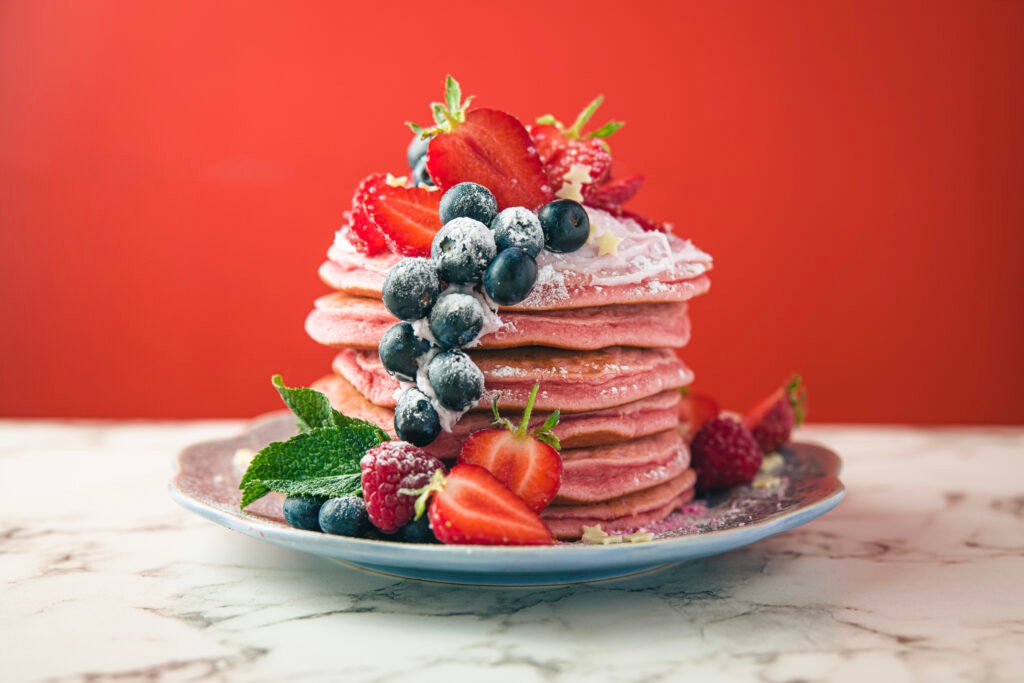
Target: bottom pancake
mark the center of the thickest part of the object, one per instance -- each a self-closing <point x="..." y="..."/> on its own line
<point x="577" y="430"/>
<point x="624" y="514"/>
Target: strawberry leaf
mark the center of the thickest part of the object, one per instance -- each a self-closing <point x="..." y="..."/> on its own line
<point x="607" y="130"/>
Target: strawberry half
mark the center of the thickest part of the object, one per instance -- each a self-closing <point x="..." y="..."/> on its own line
<point x="526" y="462"/>
<point x="485" y="146"/>
<point x="406" y="216"/>
<point x="696" y="410"/>
<point x="470" y="506"/>
<point x="772" y="420"/>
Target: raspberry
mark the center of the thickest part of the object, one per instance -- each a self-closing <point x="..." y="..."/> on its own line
<point x="386" y="468"/>
<point x="724" y="454"/>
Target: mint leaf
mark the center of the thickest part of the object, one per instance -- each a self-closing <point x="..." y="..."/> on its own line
<point x="313" y="410"/>
<point x="328" y="487"/>
<point x="322" y="452"/>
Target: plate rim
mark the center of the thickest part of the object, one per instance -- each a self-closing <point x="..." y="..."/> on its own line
<point x="357" y="550"/>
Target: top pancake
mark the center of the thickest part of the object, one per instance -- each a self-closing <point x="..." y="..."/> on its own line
<point x="649" y="267"/>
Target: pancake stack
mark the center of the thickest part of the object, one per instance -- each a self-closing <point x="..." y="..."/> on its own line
<point x="600" y="334"/>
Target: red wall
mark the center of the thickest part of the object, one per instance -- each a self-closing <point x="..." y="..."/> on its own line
<point x="171" y="174"/>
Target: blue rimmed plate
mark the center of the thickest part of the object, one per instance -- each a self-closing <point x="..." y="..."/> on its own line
<point x="804" y="486"/>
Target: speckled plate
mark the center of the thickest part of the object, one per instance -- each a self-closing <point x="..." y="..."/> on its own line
<point x="805" y="486"/>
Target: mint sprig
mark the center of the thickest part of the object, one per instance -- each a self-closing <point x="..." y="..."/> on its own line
<point x="322" y="460"/>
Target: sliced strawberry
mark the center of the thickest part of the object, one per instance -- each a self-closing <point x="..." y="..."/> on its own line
<point x="772" y="420"/>
<point x="696" y="410"/>
<point x="406" y="216"/>
<point x="470" y="506"/>
<point x="491" y="148"/>
<point x="614" y="193"/>
<point x="526" y="462"/>
<point x="360" y="230"/>
<point x="485" y="146"/>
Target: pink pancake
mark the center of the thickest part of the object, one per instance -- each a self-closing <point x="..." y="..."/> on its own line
<point x="575" y="430"/>
<point x="571" y="381"/>
<point x="644" y="267"/>
<point x="592" y="475"/>
<point x="622" y="514"/>
<point x="355" y="279"/>
<point x="342" y="320"/>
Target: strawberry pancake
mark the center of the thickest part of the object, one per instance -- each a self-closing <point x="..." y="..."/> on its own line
<point x="646" y="267"/>
<point x="344" y="321"/>
<point x="503" y="273"/>
<point x="624" y="514"/>
<point x="572" y="382"/>
<point x="575" y="430"/>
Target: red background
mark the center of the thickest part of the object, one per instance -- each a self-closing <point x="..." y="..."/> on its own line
<point x="171" y="175"/>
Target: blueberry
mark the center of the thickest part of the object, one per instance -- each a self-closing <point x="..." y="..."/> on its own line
<point x="302" y="512"/>
<point x="411" y="288"/>
<point x="456" y="320"/>
<point x="468" y="200"/>
<point x="416" y="150"/>
<point x="510" y="277"/>
<point x="566" y="225"/>
<point x="416" y="420"/>
<point x="400" y="349"/>
<point x="456" y="380"/>
<point x="518" y="227"/>
<point x="345" y="517"/>
<point x="462" y="249"/>
<point x="417" y="531"/>
<point x="420" y="176"/>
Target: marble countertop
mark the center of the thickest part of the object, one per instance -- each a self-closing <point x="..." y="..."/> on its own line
<point x="918" y="575"/>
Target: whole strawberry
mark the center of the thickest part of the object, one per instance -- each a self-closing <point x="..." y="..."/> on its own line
<point x="561" y="147"/>
<point x="772" y="420"/>
<point x="724" y="453"/>
<point x="387" y="468"/>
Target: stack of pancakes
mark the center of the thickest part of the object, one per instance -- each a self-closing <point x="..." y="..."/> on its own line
<point x="599" y="333"/>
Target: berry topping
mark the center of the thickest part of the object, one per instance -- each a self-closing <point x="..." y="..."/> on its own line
<point x="456" y="380"/>
<point x="468" y="200"/>
<point x="345" y="517"/>
<point x="417" y="531"/>
<point x="456" y="320"/>
<point x="566" y="225"/>
<point x="420" y="175"/>
<point x="526" y="462"/>
<point x="406" y="216"/>
<point x="772" y="420"/>
<point x="695" y="410"/>
<point x="462" y="250"/>
<point x="416" y="150"/>
<point x="470" y="506"/>
<point x="518" y="227"/>
<point x="400" y="351"/>
<point x="561" y="148"/>
<point x="411" y="288"/>
<point x="388" y="468"/>
<point x="485" y="146"/>
<point x="615" y="192"/>
<point x="362" y="232"/>
<point x="416" y="420"/>
<point x="724" y="454"/>
<point x="303" y="512"/>
<point x="510" y="277"/>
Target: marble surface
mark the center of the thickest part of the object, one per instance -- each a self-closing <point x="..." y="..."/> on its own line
<point x="916" y="576"/>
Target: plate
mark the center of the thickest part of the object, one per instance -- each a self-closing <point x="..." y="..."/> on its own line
<point x="804" y="486"/>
